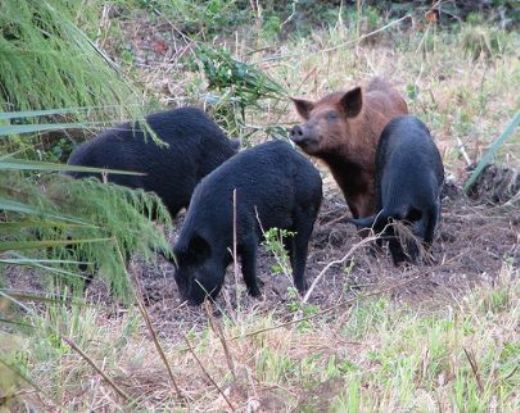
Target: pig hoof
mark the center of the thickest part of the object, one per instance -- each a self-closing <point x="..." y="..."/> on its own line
<point x="254" y="292"/>
<point x="302" y="288"/>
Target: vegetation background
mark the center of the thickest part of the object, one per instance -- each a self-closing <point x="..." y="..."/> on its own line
<point x="68" y="69"/>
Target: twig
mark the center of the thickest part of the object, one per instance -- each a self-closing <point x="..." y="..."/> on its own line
<point x="235" y="266"/>
<point x="474" y="368"/>
<point x="146" y="317"/>
<point x="173" y="26"/>
<point x="511" y="374"/>
<point x="306" y="77"/>
<point x="95" y="367"/>
<point x="338" y="220"/>
<point x="365" y="36"/>
<point x="217" y="329"/>
<point x="462" y="150"/>
<point x="340" y="261"/>
<point x="158" y="347"/>
<point x="423" y="39"/>
<point x="190" y="348"/>
<point x="338" y="306"/>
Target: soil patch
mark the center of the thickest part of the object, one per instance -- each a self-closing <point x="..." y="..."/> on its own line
<point x="475" y="240"/>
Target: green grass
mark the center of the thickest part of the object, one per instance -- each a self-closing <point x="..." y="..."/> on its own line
<point x="47" y="61"/>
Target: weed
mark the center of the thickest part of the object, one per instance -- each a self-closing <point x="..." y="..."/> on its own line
<point x="275" y="243"/>
<point x="241" y="85"/>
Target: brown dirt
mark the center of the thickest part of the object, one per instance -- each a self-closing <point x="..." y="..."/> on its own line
<point x="473" y="243"/>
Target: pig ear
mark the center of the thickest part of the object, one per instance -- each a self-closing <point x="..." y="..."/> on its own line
<point x="199" y="248"/>
<point x="351" y="102"/>
<point x="303" y="107"/>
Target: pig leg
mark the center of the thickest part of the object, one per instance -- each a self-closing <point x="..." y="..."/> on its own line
<point x="395" y="247"/>
<point x="248" y="261"/>
<point x="424" y="229"/>
<point x="297" y="247"/>
<point x="433" y="218"/>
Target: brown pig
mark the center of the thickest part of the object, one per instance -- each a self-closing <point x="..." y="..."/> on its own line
<point x="343" y="130"/>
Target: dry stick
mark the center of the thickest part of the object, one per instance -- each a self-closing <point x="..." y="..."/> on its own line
<point x="423" y="39"/>
<point x="95" y="367"/>
<point x="158" y="347"/>
<point x="146" y="317"/>
<point x="511" y="374"/>
<point x="334" y="307"/>
<point x="305" y="78"/>
<point x="330" y="264"/>
<point x="338" y="220"/>
<point x="217" y="329"/>
<point x="190" y="348"/>
<point x="474" y="368"/>
<point x="235" y="266"/>
<point x="462" y="150"/>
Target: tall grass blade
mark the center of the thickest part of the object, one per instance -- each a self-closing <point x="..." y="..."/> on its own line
<point x="22" y="129"/>
<point x="28" y="165"/>
<point x="508" y="131"/>
<point x="15" y="206"/>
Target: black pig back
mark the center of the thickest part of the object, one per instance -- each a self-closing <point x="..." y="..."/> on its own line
<point x="409" y="167"/>
<point x="272" y="182"/>
<point x="196" y="147"/>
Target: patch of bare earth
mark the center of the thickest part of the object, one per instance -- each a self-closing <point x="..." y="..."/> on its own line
<point x="473" y="243"/>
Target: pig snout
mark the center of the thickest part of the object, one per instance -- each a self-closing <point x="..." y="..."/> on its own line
<point x="297" y="134"/>
<point x="302" y="135"/>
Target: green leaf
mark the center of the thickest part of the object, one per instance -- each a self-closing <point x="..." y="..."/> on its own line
<point x="28" y="245"/>
<point x="8" y="130"/>
<point x="484" y="161"/>
<point x="17" y="323"/>
<point x="12" y="227"/>
<point x="15" y="206"/>
<point x="37" y="113"/>
<point x="40" y="263"/>
<point x="24" y="164"/>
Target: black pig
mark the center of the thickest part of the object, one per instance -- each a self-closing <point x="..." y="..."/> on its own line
<point x="196" y="147"/>
<point x="276" y="187"/>
<point x="409" y="178"/>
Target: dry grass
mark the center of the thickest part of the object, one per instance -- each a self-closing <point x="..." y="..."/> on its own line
<point x="392" y="357"/>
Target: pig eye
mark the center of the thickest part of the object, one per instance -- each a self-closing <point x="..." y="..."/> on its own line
<point x="331" y="116"/>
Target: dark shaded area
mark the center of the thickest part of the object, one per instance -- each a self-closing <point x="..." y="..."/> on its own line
<point x="496" y="185"/>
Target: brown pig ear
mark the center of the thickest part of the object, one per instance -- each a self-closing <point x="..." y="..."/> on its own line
<point x="303" y="107"/>
<point x="351" y="102"/>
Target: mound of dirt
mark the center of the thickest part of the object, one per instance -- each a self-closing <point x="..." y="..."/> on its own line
<point x="496" y="185"/>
